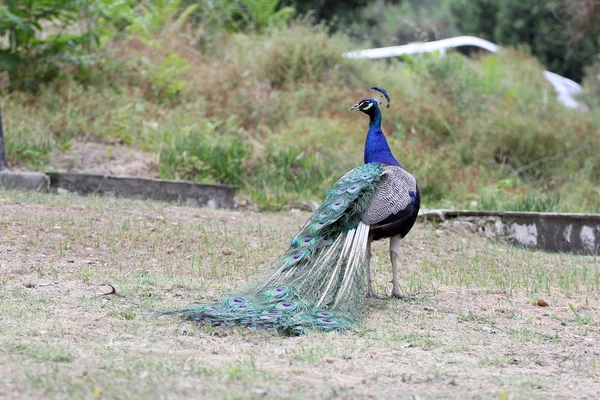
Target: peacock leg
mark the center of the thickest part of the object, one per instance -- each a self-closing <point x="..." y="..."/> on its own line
<point x="370" y="291"/>
<point x="394" y="250"/>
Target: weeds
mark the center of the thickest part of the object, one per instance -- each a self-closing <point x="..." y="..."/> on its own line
<point x="526" y="203"/>
<point x="213" y="153"/>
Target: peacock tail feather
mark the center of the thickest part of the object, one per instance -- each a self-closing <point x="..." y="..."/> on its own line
<point x="319" y="282"/>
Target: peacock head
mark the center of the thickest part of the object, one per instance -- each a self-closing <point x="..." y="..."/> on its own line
<point x="370" y="106"/>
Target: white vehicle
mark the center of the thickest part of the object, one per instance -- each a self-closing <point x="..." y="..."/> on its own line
<point x="565" y="88"/>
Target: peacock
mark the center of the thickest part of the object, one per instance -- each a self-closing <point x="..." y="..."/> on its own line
<point x="319" y="281"/>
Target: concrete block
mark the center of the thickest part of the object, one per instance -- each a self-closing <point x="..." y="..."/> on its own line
<point x="24" y="180"/>
<point x="558" y="232"/>
<point x="183" y="192"/>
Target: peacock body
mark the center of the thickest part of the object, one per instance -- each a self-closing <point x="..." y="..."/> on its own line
<point x="319" y="282"/>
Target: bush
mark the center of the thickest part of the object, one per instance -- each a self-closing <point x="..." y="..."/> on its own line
<point x="295" y="54"/>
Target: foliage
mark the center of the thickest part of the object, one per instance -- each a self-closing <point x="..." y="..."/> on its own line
<point x="213" y="153"/>
<point x="591" y="88"/>
<point x="150" y="17"/>
<point x="246" y="15"/>
<point x="303" y="53"/>
<point x="543" y="26"/>
<point x="539" y="203"/>
<point x="260" y="14"/>
<point x="166" y="78"/>
<point x="40" y="40"/>
<point x="289" y="174"/>
<point x="334" y="11"/>
<point x="401" y="22"/>
<point x="266" y="109"/>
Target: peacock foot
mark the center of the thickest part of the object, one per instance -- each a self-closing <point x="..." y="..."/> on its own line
<point x="397" y="294"/>
<point x="372" y="295"/>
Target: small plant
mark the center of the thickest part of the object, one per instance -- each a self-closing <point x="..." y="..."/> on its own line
<point x="166" y="78"/>
<point x="583" y="320"/>
<point x="260" y="14"/>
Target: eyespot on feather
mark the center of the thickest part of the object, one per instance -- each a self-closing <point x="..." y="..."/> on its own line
<point x="323" y="314"/>
<point x="294" y="258"/>
<point x="286" y="305"/>
<point x="338" y="204"/>
<point x="236" y="301"/>
<point x="353" y="189"/>
<point x="320" y="225"/>
<point x="307" y="241"/>
<point x="279" y="291"/>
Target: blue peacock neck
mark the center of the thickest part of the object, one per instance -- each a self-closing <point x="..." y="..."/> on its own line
<point x="376" y="146"/>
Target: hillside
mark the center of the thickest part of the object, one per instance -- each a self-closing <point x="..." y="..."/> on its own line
<point x="267" y="109"/>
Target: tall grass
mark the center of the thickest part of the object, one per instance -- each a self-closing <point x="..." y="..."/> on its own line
<point x="211" y="153"/>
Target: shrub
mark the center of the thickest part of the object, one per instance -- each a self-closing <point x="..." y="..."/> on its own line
<point x="298" y="53"/>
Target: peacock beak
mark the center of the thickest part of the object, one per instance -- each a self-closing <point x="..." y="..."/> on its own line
<point x="354" y="107"/>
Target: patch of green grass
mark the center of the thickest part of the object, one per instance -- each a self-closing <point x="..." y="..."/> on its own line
<point x="485" y="266"/>
<point x="580" y="319"/>
<point x="213" y="153"/>
<point x="494" y="361"/>
<point x="423" y="340"/>
<point x="526" y="203"/>
<point x="311" y="355"/>
<point x="527" y="334"/>
<point x="45" y="353"/>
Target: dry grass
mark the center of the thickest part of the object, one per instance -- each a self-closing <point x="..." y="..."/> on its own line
<point x="469" y="330"/>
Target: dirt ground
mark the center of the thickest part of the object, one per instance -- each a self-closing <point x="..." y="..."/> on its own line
<point x="102" y="158"/>
<point x="474" y="325"/>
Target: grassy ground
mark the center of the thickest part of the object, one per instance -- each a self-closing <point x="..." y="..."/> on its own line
<point x="470" y="329"/>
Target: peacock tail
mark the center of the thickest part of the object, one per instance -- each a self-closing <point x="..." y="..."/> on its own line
<point x="319" y="282"/>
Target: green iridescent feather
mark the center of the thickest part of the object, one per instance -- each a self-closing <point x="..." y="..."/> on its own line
<point x="319" y="282"/>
